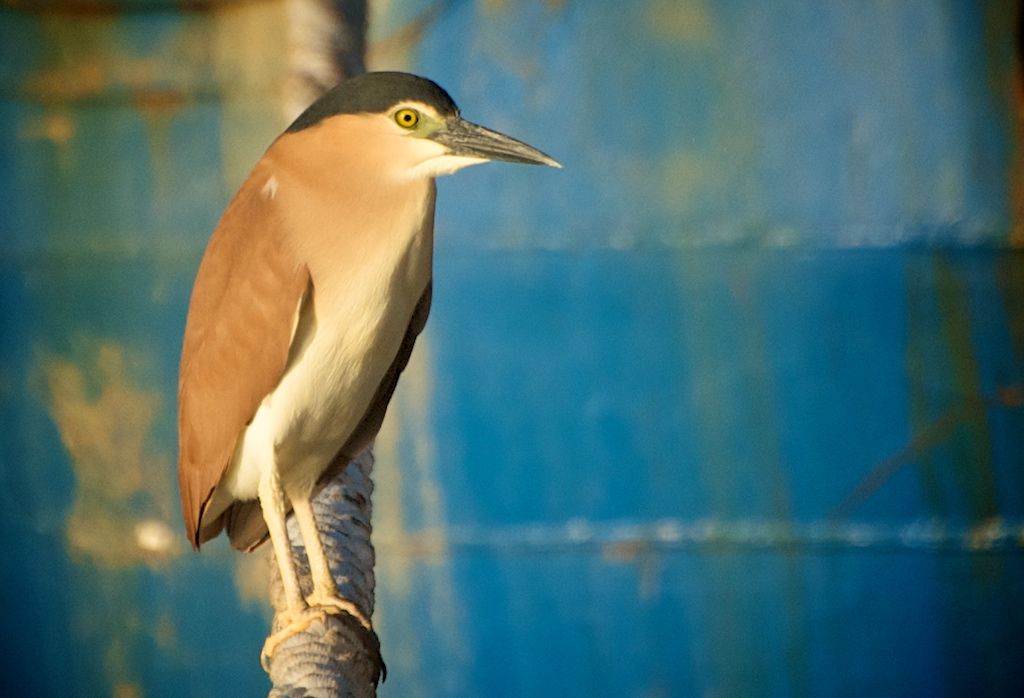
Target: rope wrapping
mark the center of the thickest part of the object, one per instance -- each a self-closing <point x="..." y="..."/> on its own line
<point x="335" y="656"/>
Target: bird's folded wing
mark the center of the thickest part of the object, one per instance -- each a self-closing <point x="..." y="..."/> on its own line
<point x="240" y="325"/>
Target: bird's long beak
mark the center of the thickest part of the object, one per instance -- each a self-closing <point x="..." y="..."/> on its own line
<point x="466" y="139"/>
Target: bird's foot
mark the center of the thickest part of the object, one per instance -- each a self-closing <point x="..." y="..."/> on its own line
<point x="334" y="604"/>
<point x="321" y="607"/>
<point x="330" y="603"/>
<point x="295" y="622"/>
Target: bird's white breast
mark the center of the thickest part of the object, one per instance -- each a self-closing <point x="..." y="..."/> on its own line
<point x="363" y="296"/>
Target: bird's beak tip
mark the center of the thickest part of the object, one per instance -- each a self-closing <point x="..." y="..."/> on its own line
<point x="547" y="161"/>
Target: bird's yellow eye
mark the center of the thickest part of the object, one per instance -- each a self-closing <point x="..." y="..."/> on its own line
<point x="407" y="118"/>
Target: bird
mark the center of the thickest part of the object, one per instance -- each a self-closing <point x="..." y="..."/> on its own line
<point x="305" y="309"/>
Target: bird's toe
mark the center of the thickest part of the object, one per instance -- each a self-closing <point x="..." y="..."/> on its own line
<point x="334" y="604"/>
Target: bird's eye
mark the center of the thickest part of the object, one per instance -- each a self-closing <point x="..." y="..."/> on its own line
<point x="407" y="118"/>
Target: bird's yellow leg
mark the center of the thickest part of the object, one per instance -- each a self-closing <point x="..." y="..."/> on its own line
<point x="325" y="591"/>
<point x="296" y="614"/>
<point x="274" y="506"/>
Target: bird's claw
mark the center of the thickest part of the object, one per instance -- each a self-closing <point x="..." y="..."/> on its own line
<point x="320" y="606"/>
<point x="334" y="604"/>
<point x="295" y="623"/>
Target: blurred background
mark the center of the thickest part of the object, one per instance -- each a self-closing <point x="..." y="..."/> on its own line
<point x="733" y="405"/>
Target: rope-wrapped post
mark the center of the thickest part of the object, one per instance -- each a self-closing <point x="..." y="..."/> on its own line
<point x="335" y="656"/>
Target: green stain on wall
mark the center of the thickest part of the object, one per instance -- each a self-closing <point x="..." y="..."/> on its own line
<point x="945" y="392"/>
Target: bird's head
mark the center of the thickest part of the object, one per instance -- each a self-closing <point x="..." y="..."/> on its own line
<point x="408" y="127"/>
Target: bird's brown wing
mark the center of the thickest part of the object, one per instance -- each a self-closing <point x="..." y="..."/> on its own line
<point x="240" y="324"/>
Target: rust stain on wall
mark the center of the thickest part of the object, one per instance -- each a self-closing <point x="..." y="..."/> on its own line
<point x="684" y="21"/>
<point x="235" y="49"/>
<point x="124" y="499"/>
<point x="250" y="61"/>
<point x="81" y="62"/>
<point x="127" y="690"/>
<point x="57" y="127"/>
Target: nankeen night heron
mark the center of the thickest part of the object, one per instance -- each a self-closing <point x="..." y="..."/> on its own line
<point x="307" y="303"/>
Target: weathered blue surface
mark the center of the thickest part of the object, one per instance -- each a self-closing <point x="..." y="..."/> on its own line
<point x="731" y="405"/>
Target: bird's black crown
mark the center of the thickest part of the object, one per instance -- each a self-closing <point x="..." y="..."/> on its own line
<point x="374" y="93"/>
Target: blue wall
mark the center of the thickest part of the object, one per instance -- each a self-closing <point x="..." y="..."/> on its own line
<point x="731" y="405"/>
